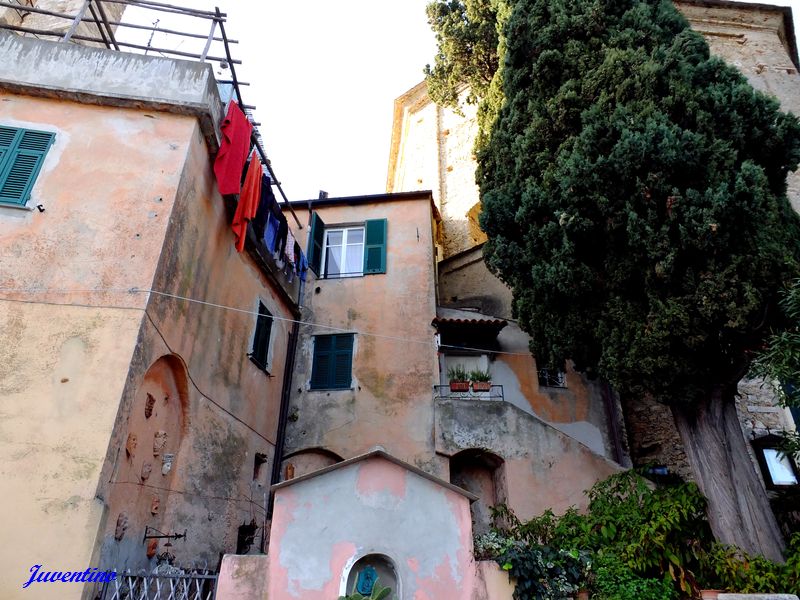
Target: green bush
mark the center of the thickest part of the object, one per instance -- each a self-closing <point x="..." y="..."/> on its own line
<point x="636" y="541"/>
<point x="615" y="580"/>
<point x="729" y="568"/>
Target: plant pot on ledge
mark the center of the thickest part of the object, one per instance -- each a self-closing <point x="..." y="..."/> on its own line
<point x="459" y="386"/>
<point x="481" y="386"/>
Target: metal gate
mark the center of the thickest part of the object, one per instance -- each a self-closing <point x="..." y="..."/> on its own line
<point x="195" y="584"/>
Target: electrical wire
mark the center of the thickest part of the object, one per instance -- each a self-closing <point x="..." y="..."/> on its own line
<point x="135" y="290"/>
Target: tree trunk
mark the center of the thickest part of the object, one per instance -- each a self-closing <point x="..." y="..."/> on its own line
<point x="738" y="508"/>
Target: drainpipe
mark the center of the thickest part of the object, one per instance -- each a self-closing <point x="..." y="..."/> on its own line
<point x="283" y="415"/>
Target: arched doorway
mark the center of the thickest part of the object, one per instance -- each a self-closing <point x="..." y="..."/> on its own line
<point x="480" y="472"/>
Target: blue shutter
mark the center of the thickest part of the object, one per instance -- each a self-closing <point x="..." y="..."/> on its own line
<point x="333" y="362"/>
<point x="341" y="376"/>
<point x="316" y="240"/>
<point x="375" y="246"/>
<point x="22" y="157"/>
<point x="322" y="363"/>
<point x="260" y="352"/>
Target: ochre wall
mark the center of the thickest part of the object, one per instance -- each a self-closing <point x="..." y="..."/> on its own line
<point x="232" y="406"/>
<point x="390" y="402"/>
<point x="107" y="186"/>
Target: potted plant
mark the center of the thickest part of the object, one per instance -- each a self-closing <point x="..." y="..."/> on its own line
<point x="481" y="381"/>
<point x="459" y="379"/>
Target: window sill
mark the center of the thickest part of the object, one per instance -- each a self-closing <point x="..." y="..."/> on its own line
<point x="24" y="207"/>
<point x="264" y="368"/>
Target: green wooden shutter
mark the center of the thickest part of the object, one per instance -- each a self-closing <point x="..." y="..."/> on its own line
<point x="260" y="353"/>
<point x="333" y="362"/>
<point x="323" y="362"/>
<point x="375" y="246"/>
<point x="22" y="157"/>
<point x="341" y="375"/>
<point x="316" y="239"/>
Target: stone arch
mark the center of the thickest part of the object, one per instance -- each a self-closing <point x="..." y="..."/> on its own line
<point x="381" y="565"/>
<point x="308" y="460"/>
<point x="148" y="458"/>
<point x="483" y="473"/>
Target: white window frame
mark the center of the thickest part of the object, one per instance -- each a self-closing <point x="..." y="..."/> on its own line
<point x="342" y="254"/>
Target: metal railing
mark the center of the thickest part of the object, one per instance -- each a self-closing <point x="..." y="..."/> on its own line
<point x="495" y="392"/>
<point x="178" y="584"/>
<point x="91" y="24"/>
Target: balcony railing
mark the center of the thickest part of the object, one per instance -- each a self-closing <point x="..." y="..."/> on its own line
<point x="495" y="392"/>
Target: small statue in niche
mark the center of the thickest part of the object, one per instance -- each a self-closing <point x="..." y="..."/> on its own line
<point x="147" y="468"/>
<point x="148" y="406"/>
<point x="159" y="441"/>
<point x="155" y="504"/>
<point x="366" y="580"/>
<point x="166" y="463"/>
<point x="130" y="445"/>
<point x="122" y="526"/>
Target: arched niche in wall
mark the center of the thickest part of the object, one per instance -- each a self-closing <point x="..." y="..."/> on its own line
<point x="307" y="461"/>
<point x="482" y="473"/>
<point x="149" y="454"/>
<point x="368" y="570"/>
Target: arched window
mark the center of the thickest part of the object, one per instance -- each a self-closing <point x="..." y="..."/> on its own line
<point x="369" y="570"/>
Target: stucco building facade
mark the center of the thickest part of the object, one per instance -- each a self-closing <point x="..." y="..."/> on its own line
<point x="131" y="407"/>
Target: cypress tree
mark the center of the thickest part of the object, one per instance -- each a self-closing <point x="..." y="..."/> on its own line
<point x="634" y="196"/>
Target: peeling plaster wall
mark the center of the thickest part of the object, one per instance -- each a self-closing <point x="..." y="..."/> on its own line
<point x="378" y="505"/>
<point x="390" y="400"/>
<point x="544" y="468"/>
<point x="579" y="410"/>
<point x="62" y="371"/>
<point x="233" y="406"/>
<point x="67" y="352"/>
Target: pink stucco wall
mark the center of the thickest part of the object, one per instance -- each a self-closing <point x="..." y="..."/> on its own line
<point x="322" y="525"/>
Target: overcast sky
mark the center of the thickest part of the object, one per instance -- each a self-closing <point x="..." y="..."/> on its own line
<point x="324" y="75"/>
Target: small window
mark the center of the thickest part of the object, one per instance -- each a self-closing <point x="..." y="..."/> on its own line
<point x="343" y="254"/>
<point x="779" y="469"/>
<point x="555" y="378"/>
<point x="347" y="251"/>
<point x="22" y="153"/>
<point x="333" y="362"/>
<point x="261" y="340"/>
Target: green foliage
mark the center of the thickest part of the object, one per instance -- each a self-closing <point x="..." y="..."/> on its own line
<point x="634" y="196"/>
<point x="378" y="593"/>
<point x="457" y="373"/>
<point x="635" y="541"/>
<point x="727" y="567"/>
<point x="779" y="361"/>
<point x="469" y="35"/>
<point x="543" y="572"/>
<point x="478" y="375"/>
<point x="615" y="580"/>
<point x="467" y="38"/>
<point x="655" y="533"/>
